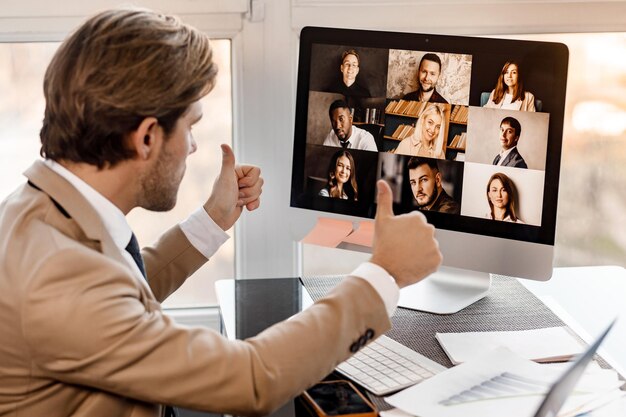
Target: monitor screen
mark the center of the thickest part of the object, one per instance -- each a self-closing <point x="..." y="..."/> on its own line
<point x="468" y="130"/>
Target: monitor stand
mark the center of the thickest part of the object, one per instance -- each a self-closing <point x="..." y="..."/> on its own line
<point x="446" y="291"/>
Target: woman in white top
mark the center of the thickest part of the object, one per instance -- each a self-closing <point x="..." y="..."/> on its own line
<point x="427" y="138"/>
<point x="341" y="177"/>
<point x="501" y="197"/>
<point x="509" y="93"/>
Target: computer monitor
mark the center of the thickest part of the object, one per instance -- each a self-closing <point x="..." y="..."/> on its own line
<point x="468" y="130"/>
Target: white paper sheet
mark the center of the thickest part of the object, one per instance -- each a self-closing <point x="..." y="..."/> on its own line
<point x="496" y="381"/>
<point x="550" y="344"/>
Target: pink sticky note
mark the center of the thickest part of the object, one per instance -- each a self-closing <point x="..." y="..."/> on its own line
<point x="328" y="232"/>
<point x="363" y="236"/>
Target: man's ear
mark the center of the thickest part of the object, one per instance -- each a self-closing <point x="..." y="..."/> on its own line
<point x="438" y="179"/>
<point x="146" y="138"/>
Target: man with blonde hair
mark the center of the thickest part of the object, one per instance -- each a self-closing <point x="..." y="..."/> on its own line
<point x="82" y="329"/>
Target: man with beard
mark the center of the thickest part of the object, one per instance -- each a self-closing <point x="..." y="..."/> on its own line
<point x="425" y="180"/>
<point x="343" y="133"/>
<point x="83" y="333"/>
<point x="428" y="74"/>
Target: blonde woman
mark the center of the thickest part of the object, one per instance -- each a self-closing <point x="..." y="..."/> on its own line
<point x="427" y="138"/>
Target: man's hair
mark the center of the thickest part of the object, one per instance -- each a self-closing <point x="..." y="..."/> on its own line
<point x="351" y="52"/>
<point x="415" y="162"/>
<point x="337" y="104"/>
<point x="118" y="68"/>
<point x="430" y="57"/>
<point x="514" y="123"/>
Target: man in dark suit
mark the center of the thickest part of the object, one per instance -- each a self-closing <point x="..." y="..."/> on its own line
<point x="425" y="180"/>
<point x="509" y="156"/>
<point x="428" y="74"/>
<point x="83" y="333"/>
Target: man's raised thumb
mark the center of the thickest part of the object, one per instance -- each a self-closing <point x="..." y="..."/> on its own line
<point x="228" y="158"/>
<point x="384" y="200"/>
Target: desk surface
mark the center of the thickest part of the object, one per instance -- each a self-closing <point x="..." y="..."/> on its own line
<point x="509" y="306"/>
<point x="587" y="299"/>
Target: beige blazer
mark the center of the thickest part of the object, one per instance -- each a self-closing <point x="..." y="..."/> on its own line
<point x="81" y="335"/>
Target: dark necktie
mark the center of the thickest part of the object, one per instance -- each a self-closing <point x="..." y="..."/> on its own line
<point x="133" y="249"/>
<point x="496" y="159"/>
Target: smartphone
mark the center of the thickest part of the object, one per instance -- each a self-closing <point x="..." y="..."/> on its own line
<point x="338" y="398"/>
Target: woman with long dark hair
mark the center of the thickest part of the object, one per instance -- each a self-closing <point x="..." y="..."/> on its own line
<point x="501" y="196"/>
<point x="509" y="93"/>
<point x="341" y="177"/>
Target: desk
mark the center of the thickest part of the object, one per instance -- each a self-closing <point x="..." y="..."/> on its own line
<point x="587" y="299"/>
<point x="248" y="306"/>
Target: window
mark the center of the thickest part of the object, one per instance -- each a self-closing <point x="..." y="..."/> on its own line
<point x="22" y="67"/>
<point x="216" y="127"/>
<point x="591" y="220"/>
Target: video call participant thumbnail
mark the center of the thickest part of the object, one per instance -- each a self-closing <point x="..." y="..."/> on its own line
<point x="509" y="156"/>
<point x="341" y="182"/>
<point x="426" y="188"/>
<point x="509" y="93"/>
<point x="347" y="84"/>
<point x="428" y="74"/>
<point x="343" y="133"/>
<point x="427" y="138"/>
<point x="502" y="197"/>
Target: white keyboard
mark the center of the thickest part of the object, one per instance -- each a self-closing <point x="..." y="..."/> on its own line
<point x="385" y="366"/>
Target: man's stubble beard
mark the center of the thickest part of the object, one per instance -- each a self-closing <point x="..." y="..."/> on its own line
<point x="432" y="87"/>
<point x="431" y="199"/>
<point x="159" y="186"/>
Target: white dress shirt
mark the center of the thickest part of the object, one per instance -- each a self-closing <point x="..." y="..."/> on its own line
<point x="199" y="228"/>
<point x="359" y="139"/>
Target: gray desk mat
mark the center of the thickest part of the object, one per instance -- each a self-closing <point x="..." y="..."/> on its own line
<point x="508" y="306"/>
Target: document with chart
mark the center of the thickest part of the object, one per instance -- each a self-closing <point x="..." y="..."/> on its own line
<point x="500" y="380"/>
